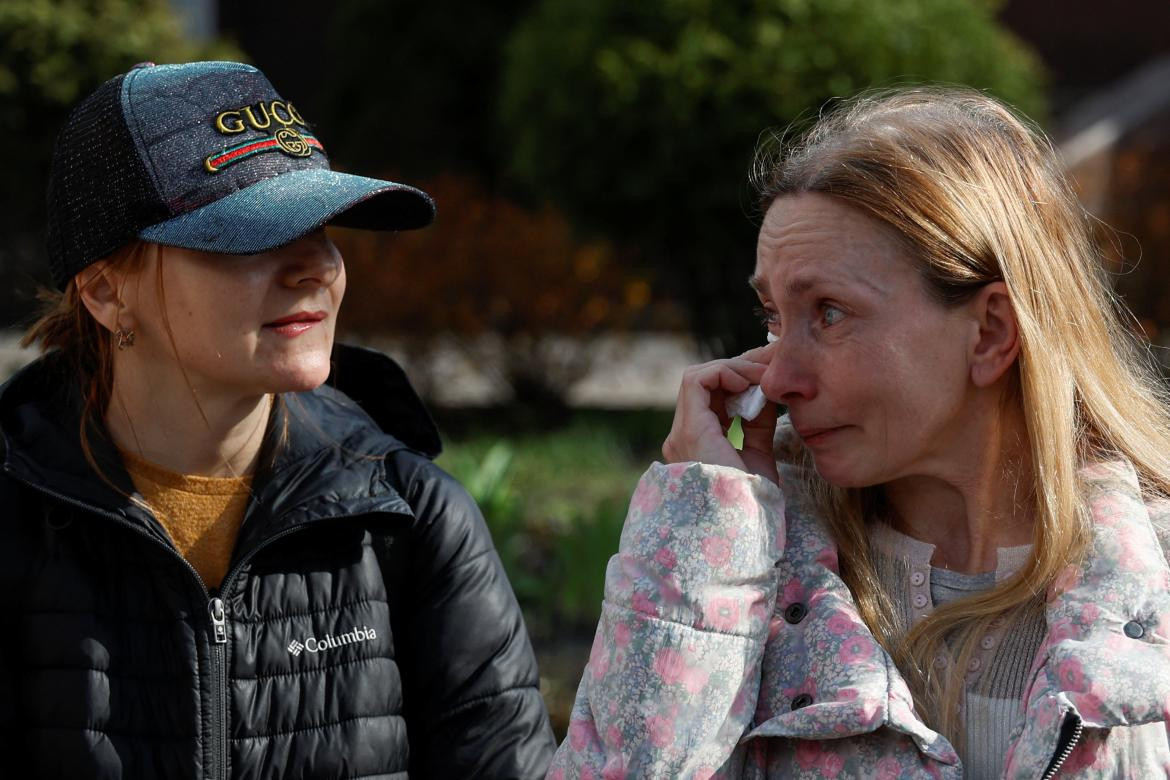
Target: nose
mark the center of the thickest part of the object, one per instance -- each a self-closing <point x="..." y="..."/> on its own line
<point x="791" y="374"/>
<point x="311" y="261"/>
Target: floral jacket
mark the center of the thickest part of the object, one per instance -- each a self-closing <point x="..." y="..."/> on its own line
<point x="729" y="646"/>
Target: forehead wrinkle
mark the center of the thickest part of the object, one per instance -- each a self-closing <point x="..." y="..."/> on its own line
<point x="803" y="281"/>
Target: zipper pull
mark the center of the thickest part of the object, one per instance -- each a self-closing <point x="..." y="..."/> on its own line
<point x="218" y="620"/>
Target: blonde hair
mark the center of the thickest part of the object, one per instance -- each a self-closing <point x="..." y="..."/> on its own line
<point x="978" y="195"/>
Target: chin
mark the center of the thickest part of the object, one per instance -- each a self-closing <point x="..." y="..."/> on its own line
<point x="844" y="475"/>
<point x="299" y="376"/>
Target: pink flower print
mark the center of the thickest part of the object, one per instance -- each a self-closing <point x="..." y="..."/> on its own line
<point x="676" y="470"/>
<point x="704" y="773"/>
<point x="613" y="737"/>
<point x="887" y="769"/>
<point x="717" y="551"/>
<point x="729" y="492"/>
<point x="1062" y="629"/>
<point x="647" y="498"/>
<point x="1071" y="674"/>
<point x="666" y="558"/>
<point x="793" y="592"/>
<point x="588" y="774"/>
<point x="817" y="596"/>
<point x="621" y="634"/>
<point x="695" y="679"/>
<point x="669" y="591"/>
<point x="1092" y="705"/>
<point x="661" y="730"/>
<point x="581" y="733"/>
<point x="809" y="686"/>
<point x="831" y="765"/>
<point x="854" y="649"/>
<point x="556" y="774"/>
<point x="1089" y="614"/>
<point x="722" y="613"/>
<point x="808" y="753"/>
<point x="599" y="657"/>
<point x="670" y="665"/>
<point x="840" y="624"/>
<point x="1088" y="754"/>
<point x="643" y="603"/>
<point x="615" y="769"/>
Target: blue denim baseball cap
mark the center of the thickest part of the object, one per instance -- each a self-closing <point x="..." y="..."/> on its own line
<point x="206" y="156"/>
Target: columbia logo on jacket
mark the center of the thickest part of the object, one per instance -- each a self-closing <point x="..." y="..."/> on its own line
<point x="329" y="642"/>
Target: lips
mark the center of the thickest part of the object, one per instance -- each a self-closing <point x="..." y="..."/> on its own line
<point x="812" y="436"/>
<point x="300" y="316"/>
<point x="294" y="325"/>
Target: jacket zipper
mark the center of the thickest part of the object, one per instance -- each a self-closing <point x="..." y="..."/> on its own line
<point x="217" y="612"/>
<point x="1062" y="753"/>
<point x="218" y="623"/>
<point x="219" y="685"/>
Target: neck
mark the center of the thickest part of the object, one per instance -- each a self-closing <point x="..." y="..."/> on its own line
<point x="183" y="427"/>
<point x="974" y="502"/>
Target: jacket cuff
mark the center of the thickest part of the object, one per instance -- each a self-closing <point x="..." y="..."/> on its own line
<point x="699" y="548"/>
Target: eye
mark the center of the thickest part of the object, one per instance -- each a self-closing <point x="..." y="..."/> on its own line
<point x="831" y="315"/>
<point x="767" y="317"/>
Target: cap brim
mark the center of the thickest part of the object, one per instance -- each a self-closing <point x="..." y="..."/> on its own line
<point x="277" y="211"/>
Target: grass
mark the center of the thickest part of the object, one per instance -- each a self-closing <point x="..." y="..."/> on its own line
<point x="555" y="500"/>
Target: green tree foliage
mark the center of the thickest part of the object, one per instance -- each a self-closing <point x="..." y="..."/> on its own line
<point x="412" y="86"/>
<point x="639" y="119"/>
<point x="52" y="53"/>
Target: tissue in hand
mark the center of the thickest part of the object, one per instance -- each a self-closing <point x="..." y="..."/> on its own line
<point x="748" y="404"/>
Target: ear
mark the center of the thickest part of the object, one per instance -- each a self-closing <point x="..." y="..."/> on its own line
<point x="997" y="344"/>
<point x="100" y="291"/>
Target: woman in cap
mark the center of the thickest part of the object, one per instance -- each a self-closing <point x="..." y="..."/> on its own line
<point x="212" y="563"/>
<point x="948" y="558"/>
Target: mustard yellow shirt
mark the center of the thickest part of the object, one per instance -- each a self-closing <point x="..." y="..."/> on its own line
<point x="202" y="515"/>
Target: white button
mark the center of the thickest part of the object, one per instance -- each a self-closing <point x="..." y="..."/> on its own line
<point x="987" y="642"/>
<point x="917" y="578"/>
<point x="974" y="665"/>
<point x="919" y="600"/>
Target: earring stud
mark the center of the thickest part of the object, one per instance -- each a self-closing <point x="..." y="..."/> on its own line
<point x="125" y="338"/>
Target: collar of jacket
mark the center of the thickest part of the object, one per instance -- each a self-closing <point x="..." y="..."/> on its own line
<point x="1105" y="661"/>
<point x="1090" y="665"/>
<point x="322" y="456"/>
<point x="1107" y="651"/>
<point x="857" y="687"/>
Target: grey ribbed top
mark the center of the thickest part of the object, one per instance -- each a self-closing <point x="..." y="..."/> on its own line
<point x="998" y="675"/>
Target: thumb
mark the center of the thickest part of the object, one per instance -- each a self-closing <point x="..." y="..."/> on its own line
<point x="758" y="436"/>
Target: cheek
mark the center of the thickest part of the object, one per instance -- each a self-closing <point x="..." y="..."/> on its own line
<point x="337" y="289"/>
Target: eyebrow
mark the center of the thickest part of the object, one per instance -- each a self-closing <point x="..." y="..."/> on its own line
<point x="800" y="285"/>
<point x="803" y="284"/>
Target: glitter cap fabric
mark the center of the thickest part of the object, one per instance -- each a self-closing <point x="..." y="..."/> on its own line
<point x="204" y="156"/>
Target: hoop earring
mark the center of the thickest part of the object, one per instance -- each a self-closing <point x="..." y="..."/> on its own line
<point x="125" y="338"/>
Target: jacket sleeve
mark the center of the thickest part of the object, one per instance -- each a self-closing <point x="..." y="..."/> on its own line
<point x="672" y="680"/>
<point x="471" y="689"/>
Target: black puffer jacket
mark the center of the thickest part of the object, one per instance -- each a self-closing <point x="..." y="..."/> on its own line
<point x="365" y="627"/>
